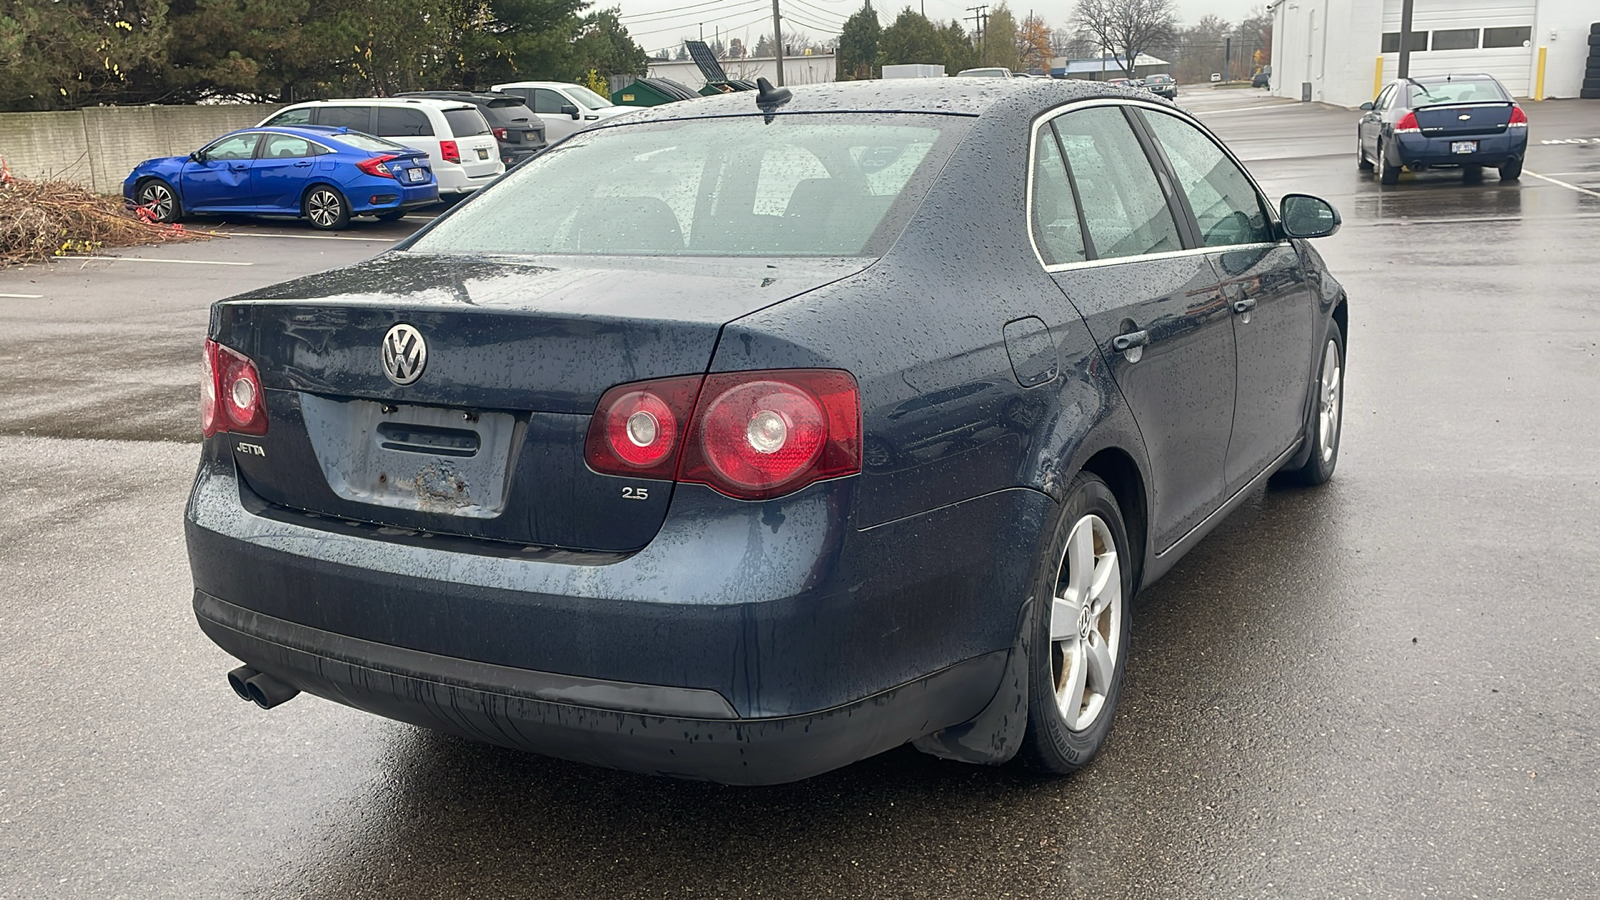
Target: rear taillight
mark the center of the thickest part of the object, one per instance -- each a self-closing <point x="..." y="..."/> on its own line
<point x="1519" y="119"/>
<point x="751" y="435"/>
<point x="375" y="166"/>
<point x="638" y="428"/>
<point x="450" y="151"/>
<point x="500" y="134"/>
<point x="1408" y="125"/>
<point x="230" y="393"/>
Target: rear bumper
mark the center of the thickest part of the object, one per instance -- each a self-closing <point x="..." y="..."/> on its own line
<point x="387" y="194"/>
<point x="658" y="730"/>
<point x="748" y="643"/>
<point x="1414" y="150"/>
<point x="454" y="180"/>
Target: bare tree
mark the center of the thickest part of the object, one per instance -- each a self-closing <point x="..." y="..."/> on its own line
<point x="1126" y="27"/>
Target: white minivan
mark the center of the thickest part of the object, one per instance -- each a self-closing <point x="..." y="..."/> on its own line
<point x="564" y="108"/>
<point x="459" y="142"/>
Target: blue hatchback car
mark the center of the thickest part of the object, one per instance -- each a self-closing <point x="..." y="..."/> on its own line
<point x="324" y="175"/>
<point x="1442" y="121"/>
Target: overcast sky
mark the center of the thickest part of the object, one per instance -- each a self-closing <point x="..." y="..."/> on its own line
<point x="662" y="23"/>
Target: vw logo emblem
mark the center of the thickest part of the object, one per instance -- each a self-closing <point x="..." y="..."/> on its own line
<point x="405" y="354"/>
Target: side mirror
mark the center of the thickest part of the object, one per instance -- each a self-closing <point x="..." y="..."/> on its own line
<point x="1305" y="216"/>
<point x="570" y="110"/>
<point x="198" y="156"/>
<point x="1367" y="106"/>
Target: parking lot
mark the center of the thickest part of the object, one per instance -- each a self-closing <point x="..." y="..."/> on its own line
<point x="1384" y="687"/>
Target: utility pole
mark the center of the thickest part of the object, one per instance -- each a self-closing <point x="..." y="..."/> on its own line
<point x="1405" y="40"/>
<point x="1227" y="59"/>
<point x="777" y="40"/>
<point x="980" y="18"/>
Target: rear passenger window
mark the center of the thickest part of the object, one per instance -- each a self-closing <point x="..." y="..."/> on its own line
<point x="286" y="146"/>
<point x="403" y="123"/>
<point x="1054" y="213"/>
<point x="1122" y="203"/>
<point x="355" y="118"/>
<point x="1225" y="203"/>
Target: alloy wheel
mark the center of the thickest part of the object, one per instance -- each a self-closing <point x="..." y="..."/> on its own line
<point x="1330" y="401"/>
<point x="158" y="200"/>
<point x="323" y="208"/>
<point x="1086" y="622"/>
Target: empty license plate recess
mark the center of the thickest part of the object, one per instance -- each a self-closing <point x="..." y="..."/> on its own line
<point x="421" y="458"/>
<point x="1464" y="147"/>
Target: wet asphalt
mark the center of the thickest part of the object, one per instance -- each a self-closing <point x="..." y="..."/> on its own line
<point x="1384" y="687"/>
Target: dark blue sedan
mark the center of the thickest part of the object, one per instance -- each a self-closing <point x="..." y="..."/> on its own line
<point x="745" y="438"/>
<point x="324" y="175"/>
<point x="1443" y="121"/>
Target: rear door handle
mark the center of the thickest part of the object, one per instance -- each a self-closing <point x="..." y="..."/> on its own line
<point x="302" y="164"/>
<point x="1243" y="306"/>
<point x="1125" y="342"/>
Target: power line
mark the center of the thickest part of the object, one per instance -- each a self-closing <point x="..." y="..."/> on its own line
<point x="810" y="10"/>
<point x="717" y="18"/>
<point x="669" y="12"/>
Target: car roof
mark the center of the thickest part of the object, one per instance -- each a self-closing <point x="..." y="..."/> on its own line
<point x="429" y="102"/>
<point x="495" y="99"/>
<point x="949" y="96"/>
<point x="1458" y="76"/>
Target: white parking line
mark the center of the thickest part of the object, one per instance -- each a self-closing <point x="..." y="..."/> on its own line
<point x="1215" y="112"/>
<point x="151" y="259"/>
<point x="304" y="237"/>
<point x="23" y="296"/>
<point x="1570" y="187"/>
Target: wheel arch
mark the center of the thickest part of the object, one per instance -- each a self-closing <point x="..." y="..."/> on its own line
<point x="1116" y="467"/>
<point x="323" y="182"/>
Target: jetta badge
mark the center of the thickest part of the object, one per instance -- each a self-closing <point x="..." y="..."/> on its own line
<point x="405" y="354"/>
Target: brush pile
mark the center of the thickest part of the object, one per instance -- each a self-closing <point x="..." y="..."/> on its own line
<point x="43" y="219"/>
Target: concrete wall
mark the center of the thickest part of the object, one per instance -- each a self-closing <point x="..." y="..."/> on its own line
<point x="97" y="147"/>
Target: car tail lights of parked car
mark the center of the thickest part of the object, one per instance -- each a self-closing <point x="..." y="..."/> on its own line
<point x="230" y="393"/>
<point x="751" y="435"/>
<point x="1519" y="119"/>
<point x="375" y="166"/>
<point x="450" y="151"/>
<point x="1408" y="125"/>
<point x="499" y="134"/>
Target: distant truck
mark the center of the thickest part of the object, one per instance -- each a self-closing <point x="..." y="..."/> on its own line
<point x="913" y="70"/>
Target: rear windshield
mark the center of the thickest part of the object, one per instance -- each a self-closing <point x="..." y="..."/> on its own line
<point x="367" y="142"/>
<point x="801" y="185"/>
<point x="1458" y="91"/>
<point x="466" y="122"/>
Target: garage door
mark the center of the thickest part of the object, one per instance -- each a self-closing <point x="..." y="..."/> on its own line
<point x="1453" y="36"/>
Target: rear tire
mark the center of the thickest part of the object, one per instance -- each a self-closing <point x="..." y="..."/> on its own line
<point x="1325" y="423"/>
<point x="1083" y="589"/>
<point x="1362" y="162"/>
<point x="1386" y="173"/>
<point x="160" y="199"/>
<point x="326" y="208"/>
<point x="1511" y="170"/>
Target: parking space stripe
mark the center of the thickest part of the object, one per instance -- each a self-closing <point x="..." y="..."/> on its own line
<point x="23" y="296"/>
<point x="306" y="237"/>
<point x="151" y="259"/>
<point x="1570" y="187"/>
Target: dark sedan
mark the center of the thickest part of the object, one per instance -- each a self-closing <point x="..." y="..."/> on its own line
<point x="1162" y="86"/>
<point x="324" y="175"/>
<point x="792" y="428"/>
<point x="1442" y="121"/>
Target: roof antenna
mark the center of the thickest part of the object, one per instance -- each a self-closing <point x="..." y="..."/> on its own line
<point x="769" y="98"/>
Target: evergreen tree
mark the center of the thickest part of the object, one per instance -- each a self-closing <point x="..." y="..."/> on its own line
<point x="858" y="44"/>
<point x="999" y="44"/>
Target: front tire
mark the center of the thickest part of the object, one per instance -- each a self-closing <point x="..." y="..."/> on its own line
<point x="1079" y="644"/>
<point x="1387" y="174"/>
<point x="1326" y="421"/>
<point x="160" y="199"/>
<point x="326" y="208"/>
<point x="1512" y="170"/>
<point x="1361" y="156"/>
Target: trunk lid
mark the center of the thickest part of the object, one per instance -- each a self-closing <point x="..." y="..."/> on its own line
<point x="487" y="441"/>
<point x="1464" y="119"/>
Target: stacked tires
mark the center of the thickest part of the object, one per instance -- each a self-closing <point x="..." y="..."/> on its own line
<point x="1591" y="73"/>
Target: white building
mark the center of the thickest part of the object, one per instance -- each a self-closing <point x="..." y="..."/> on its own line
<point x="809" y="69"/>
<point x="1341" y="51"/>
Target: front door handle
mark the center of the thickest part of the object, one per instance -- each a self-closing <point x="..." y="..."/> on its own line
<point x="1243" y="306"/>
<point x="1122" y="343"/>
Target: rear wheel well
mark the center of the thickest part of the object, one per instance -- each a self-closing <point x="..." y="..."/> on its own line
<point x="1118" y="470"/>
<point x="1341" y="316"/>
<point x="306" y="194"/>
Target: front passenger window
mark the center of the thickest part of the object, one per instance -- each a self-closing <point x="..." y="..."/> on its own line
<point x="1225" y="203"/>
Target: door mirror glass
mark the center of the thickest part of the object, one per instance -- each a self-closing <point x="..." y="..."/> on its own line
<point x="1305" y="216"/>
<point x="570" y="110"/>
<point x="198" y="156"/>
<point x="1367" y="106"/>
